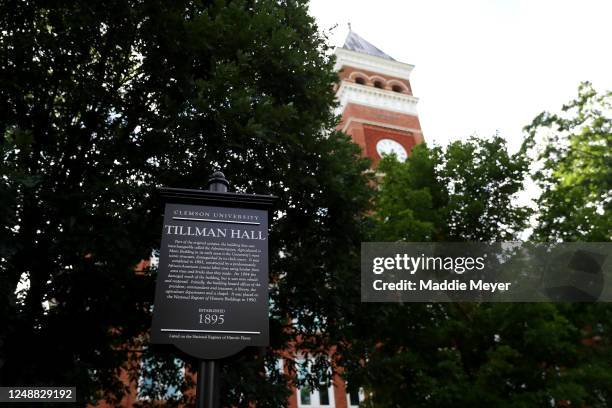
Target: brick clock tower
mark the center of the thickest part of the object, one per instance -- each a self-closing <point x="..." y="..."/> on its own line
<point x="375" y="100"/>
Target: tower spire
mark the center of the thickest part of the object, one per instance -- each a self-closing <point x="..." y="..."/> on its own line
<point x="354" y="42"/>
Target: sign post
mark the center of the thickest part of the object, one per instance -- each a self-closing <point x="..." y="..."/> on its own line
<point x="211" y="294"/>
<point x="207" y="391"/>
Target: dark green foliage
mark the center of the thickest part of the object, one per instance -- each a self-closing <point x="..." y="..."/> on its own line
<point x="100" y="102"/>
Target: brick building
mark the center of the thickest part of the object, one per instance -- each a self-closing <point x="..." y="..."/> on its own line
<point x="377" y="106"/>
<point x="379" y="112"/>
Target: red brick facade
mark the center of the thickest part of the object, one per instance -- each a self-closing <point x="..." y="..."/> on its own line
<point x="351" y="74"/>
<point x="367" y="125"/>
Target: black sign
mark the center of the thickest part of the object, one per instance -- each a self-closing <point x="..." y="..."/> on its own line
<point x="211" y="298"/>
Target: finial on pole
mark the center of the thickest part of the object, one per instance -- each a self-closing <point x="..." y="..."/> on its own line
<point x="349" y="24"/>
<point x="218" y="183"/>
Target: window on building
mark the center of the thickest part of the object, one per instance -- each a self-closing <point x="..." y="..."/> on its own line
<point x="360" y="81"/>
<point x="378" y="84"/>
<point x="305" y="393"/>
<point x="396" y="88"/>
<point x="321" y="397"/>
<point x="324" y="395"/>
<point x="354" y="396"/>
<point x="316" y="398"/>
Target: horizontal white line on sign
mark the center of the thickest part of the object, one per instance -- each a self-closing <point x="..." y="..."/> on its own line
<point x="221" y="221"/>
<point x="210" y="331"/>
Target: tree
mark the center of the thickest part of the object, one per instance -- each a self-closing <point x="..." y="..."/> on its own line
<point x="466" y="354"/>
<point x="572" y="153"/>
<point x="101" y="103"/>
<point x="506" y="355"/>
<point x="423" y="354"/>
<point x="463" y="193"/>
<point x="573" y="157"/>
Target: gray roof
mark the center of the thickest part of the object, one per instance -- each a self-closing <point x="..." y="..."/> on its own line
<point x="354" y="42"/>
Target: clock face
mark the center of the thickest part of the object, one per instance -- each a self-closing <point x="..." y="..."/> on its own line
<point x="388" y="146"/>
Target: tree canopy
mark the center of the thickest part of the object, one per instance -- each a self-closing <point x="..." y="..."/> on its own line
<point x="506" y="355"/>
<point x="465" y="192"/>
<point x="572" y="152"/>
<point x="102" y="102"/>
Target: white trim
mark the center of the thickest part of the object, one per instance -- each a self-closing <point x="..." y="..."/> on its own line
<point x="350" y="92"/>
<point x="381" y="124"/>
<point x="315" y="395"/>
<point x="361" y="397"/>
<point x="315" y="398"/>
<point x="368" y="62"/>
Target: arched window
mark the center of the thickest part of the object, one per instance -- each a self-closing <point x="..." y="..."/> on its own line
<point x="360" y="81"/>
<point x="396" y="88"/>
<point x="378" y="84"/>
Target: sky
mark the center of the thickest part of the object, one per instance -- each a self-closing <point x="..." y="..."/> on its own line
<point x="483" y="66"/>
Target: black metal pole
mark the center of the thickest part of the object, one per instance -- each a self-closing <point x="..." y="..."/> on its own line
<point x="207" y="391"/>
